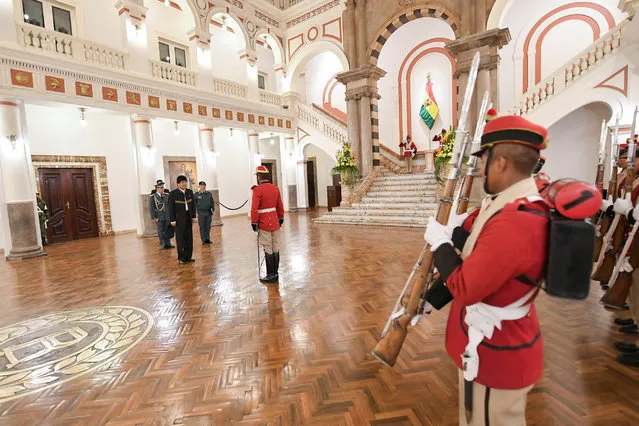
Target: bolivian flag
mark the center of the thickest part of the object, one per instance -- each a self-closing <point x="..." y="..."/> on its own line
<point x="430" y="109"/>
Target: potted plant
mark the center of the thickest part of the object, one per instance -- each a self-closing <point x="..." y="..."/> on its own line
<point x="346" y="167"/>
<point x="443" y="154"/>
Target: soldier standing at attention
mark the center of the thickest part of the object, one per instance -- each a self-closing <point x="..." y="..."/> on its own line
<point x="493" y="333"/>
<point x="43" y="216"/>
<point x="158" y="203"/>
<point x="267" y="216"/>
<point x="204" y="207"/>
<point x="182" y="215"/>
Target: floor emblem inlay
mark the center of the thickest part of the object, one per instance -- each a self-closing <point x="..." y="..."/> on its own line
<point x="47" y="351"/>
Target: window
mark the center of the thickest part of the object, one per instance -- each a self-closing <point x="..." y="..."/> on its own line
<point x="261" y="81"/>
<point x="172" y="54"/>
<point x="50" y="15"/>
<point x="33" y="13"/>
<point x="62" y="20"/>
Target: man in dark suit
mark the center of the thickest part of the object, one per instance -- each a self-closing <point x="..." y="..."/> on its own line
<point x="182" y="214"/>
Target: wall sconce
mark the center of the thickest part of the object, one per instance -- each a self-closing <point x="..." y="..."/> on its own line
<point x="83" y="117"/>
<point x="176" y="130"/>
<point x="13" y="139"/>
<point x="225" y="27"/>
<point x="167" y="3"/>
<point x="231" y="132"/>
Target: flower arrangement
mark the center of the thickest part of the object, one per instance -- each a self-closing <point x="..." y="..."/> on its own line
<point x="346" y="165"/>
<point x="444" y="153"/>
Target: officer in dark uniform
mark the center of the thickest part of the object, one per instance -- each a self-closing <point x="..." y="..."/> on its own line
<point x="181" y="208"/>
<point x="43" y="216"/>
<point x="159" y="214"/>
<point x="204" y="207"/>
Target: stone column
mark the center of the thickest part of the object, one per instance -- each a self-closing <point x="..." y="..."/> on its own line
<point x="21" y="226"/>
<point x="143" y="137"/>
<point x="377" y="164"/>
<point x="352" y="110"/>
<point x="252" y="91"/>
<point x="366" y="135"/>
<point x="361" y="87"/>
<point x="133" y="17"/>
<point x="350" y="41"/>
<point x="209" y="160"/>
<point x="361" y="26"/>
<point x="302" y="185"/>
<point x="200" y="58"/>
<point x="291" y="171"/>
<point x="255" y="160"/>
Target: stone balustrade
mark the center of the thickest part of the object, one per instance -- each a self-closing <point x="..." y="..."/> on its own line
<point x="173" y="73"/>
<point x="573" y="70"/>
<point x="270" y="98"/>
<point x="70" y="47"/>
<point x="229" y="88"/>
<point x="331" y="129"/>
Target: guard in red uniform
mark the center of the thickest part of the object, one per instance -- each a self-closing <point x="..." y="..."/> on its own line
<point x="267" y="216"/>
<point x="410" y="150"/>
<point x="493" y="334"/>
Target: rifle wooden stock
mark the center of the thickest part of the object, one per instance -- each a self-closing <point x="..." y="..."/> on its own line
<point x="464" y="194"/>
<point x="607" y="266"/>
<point x="388" y="348"/>
<point x="603" y="227"/>
<point x="615" y="297"/>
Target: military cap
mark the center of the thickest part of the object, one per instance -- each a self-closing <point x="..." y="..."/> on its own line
<point x="513" y="129"/>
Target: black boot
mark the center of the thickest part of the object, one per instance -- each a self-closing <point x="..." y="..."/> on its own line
<point x="276" y="267"/>
<point x="270" y="262"/>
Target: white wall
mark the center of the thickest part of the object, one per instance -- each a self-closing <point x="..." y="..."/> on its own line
<point x="168" y="23"/>
<point x="574" y="143"/>
<point x="393" y="54"/>
<point x="225" y="54"/>
<point x="560" y="44"/>
<point x="319" y="70"/>
<point x="323" y="165"/>
<point x="102" y="24"/>
<point x="57" y="131"/>
<point x="234" y="178"/>
<point x="265" y="63"/>
<point x="166" y="143"/>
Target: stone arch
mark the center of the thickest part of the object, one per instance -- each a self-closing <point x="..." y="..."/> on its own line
<point x="274" y="44"/>
<point x="239" y="26"/>
<point x="383" y="34"/>
<point x="301" y="150"/>
<point x="308" y="51"/>
<point x="497" y="12"/>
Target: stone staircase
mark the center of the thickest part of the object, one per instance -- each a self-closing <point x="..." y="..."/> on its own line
<point x="392" y="200"/>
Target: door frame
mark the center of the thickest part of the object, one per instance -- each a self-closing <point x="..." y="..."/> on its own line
<point x="100" y="184"/>
<point x="314" y="160"/>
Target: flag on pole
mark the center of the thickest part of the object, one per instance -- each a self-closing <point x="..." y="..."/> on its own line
<point x="429" y="110"/>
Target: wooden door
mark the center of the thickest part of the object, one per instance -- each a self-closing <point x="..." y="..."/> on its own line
<point x="310" y="178"/>
<point x="69" y="197"/>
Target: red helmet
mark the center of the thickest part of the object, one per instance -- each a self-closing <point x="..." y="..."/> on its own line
<point x="574" y="199"/>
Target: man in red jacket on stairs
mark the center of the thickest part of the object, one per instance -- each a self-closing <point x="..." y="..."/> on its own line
<point x="267" y="216"/>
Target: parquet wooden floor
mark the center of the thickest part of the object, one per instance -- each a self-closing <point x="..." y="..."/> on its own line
<point x="226" y="349"/>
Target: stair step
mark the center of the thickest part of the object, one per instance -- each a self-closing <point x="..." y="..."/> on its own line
<point x="379" y="218"/>
<point x="380" y="212"/>
<point x="397" y="206"/>
<point x="328" y="220"/>
<point x="416" y="177"/>
<point x="401" y="191"/>
<point x="396" y="199"/>
<point x="398" y="185"/>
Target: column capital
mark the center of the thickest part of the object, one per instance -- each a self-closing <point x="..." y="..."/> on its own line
<point x="280" y="67"/>
<point x="250" y="55"/>
<point x="137" y="118"/>
<point x="134" y="9"/>
<point x="495" y="38"/>
<point x="203" y="37"/>
<point x="368" y="74"/>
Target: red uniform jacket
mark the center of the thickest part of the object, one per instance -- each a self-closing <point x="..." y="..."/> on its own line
<point x="635" y="189"/>
<point x="266" y="196"/>
<point x="512" y="243"/>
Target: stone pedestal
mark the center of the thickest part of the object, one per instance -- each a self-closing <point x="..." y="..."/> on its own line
<point x="216" y="220"/>
<point x="149" y="228"/>
<point x="21" y="230"/>
<point x="292" y="198"/>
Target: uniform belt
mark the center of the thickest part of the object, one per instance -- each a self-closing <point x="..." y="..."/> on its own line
<point x="272" y="209"/>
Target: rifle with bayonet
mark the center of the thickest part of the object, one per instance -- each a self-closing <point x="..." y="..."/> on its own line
<point x="614" y="237"/>
<point x="389" y="346"/>
<point x="473" y="163"/>
<point x="604" y="221"/>
<point x="621" y="279"/>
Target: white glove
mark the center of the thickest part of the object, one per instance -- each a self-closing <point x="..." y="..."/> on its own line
<point x="455" y="220"/>
<point x="437" y="234"/>
<point x="623" y="205"/>
<point x="605" y="204"/>
<point x="635" y="215"/>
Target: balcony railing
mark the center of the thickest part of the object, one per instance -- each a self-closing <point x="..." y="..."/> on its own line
<point x="173" y="73"/>
<point x="270" y="98"/>
<point x="229" y="88"/>
<point x="74" y="48"/>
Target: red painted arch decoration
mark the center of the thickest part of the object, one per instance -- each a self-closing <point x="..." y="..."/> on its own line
<point x="547" y="23"/>
<point x="404" y="81"/>
<point x="327" y="98"/>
